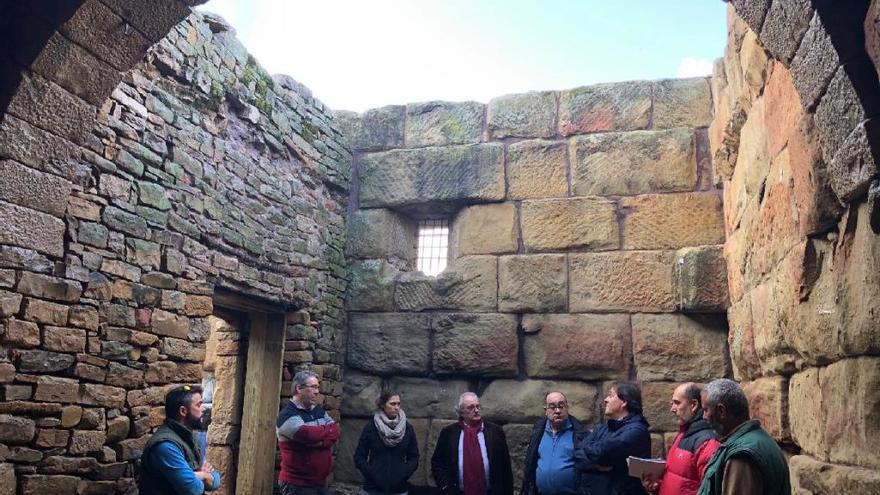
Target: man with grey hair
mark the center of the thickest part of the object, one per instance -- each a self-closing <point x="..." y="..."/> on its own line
<point x="471" y="456"/>
<point x="748" y="460"/>
<point x="306" y="434"/>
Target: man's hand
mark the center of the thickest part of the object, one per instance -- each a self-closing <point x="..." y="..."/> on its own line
<point x="649" y="484"/>
<point x="206" y="474"/>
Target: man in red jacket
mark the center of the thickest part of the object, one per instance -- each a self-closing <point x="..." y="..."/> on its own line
<point x="692" y="448"/>
<point x="306" y="434"/>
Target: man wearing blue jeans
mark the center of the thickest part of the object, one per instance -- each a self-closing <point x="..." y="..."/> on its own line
<point x="172" y="459"/>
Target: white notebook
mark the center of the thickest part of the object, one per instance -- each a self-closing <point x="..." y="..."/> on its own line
<point x="638" y="466"/>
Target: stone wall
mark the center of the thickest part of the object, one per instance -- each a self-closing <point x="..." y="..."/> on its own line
<point x="585" y="248"/>
<point x="802" y="249"/>
<point x="201" y="173"/>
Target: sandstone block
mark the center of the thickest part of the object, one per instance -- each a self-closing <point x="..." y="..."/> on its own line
<point x="854" y="167"/>
<point x="131" y="448"/>
<point x="782" y="107"/>
<point x="623" y="106"/>
<point x="48" y="438"/>
<point x="469" y="284"/>
<point x="371" y="336"/>
<point x="38" y="484"/>
<point x="380" y="233"/>
<point x="55" y="389"/>
<point x="7" y="479"/>
<point x="537" y="169"/>
<point x="582" y="347"/>
<point x="183" y="349"/>
<point x="442" y="123"/>
<point x="70" y="416"/>
<point x="350" y="432"/>
<point x="850" y="433"/>
<point x="619" y="163"/>
<point x="656" y="397"/>
<point x="523" y="401"/>
<point x="371" y="286"/>
<point x="484" y="344"/>
<point x="666" y="221"/>
<point x="634" y="280"/>
<point x="485" y="229"/>
<point x="38" y="285"/>
<point x="768" y="402"/>
<point x="64" y="339"/>
<point x="45" y="312"/>
<point x="806" y="412"/>
<point x="15" y="430"/>
<point x="532" y="283"/>
<point x="125" y="222"/>
<point x="83" y="442"/>
<point x="678" y="347"/>
<point x="359" y="394"/>
<point x="426" y="398"/>
<point x="33" y="189"/>
<point x="126" y="377"/>
<point x="376" y="129"/>
<point x="23" y="334"/>
<point x="101" y="395"/>
<point x="44" y="362"/>
<point x="700" y="277"/>
<point x="522" y="115"/>
<point x="517" y="436"/>
<point x="31" y="229"/>
<point x="809" y="475"/>
<point x="573" y="223"/>
<point x="10" y="303"/>
<point x="453" y="174"/>
<point x="859" y="290"/>
<point x="170" y="324"/>
<point x="682" y="103"/>
<point x="838" y="113"/>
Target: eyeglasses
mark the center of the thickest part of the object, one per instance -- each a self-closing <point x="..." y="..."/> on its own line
<point x="554" y="407"/>
<point x="473" y="407"/>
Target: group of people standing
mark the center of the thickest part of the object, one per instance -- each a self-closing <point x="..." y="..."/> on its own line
<point x="718" y="450"/>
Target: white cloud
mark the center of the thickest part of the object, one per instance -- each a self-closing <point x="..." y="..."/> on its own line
<point x="694" y="67"/>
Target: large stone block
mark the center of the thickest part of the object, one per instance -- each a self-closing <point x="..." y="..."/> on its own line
<point x="33" y="189"/>
<point x="572" y="223"/>
<point x="682" y="103"/>
<point x="485" y="229"/>
<point x="350" y="433"/>
<point x="656" y="400"/>
<point x="752" y="12"/>
<point x="838" y="113"/>
<point x="814" y="63"/>
<point x="817" y="206"/>
<point x="37" y="148"/>
<point x="811" y="476"/>
<point x="49" y="106"/>
<point x="31" y="229"/>
<point x="523" y="401"/>
<point x="447" y="175"/>
<point x="582" y="347"/>
<point x="768" y="402"/>
<point x="39" y="484"/>
<point x="537" y="169"/>
<point x="532" y="283"/>
<point x="806" y="413"/>
<point x="782" y="107"/>
<point x="624" y="163"/>
<point x="852" y="433"/>
<point x="859" y="292"/>
<point x="46" y="287"/>
<point x="664" y="221"/>
<point x="469" y="284"/>
<point x="678" y="347"/>
<point x="475" y="344"/>
<point x="854" y="168"/>
<point x="517" y="436"/>
<point x="784" y="27"/>
<point x="15" y="430"/>
<point x="700" y="277"/>
<point x="632" y="280"/>
<point x="389" y="343"/>
<point x="622" y="106"/>
<point x="359" y="393"/>
<point x="442" y="123"/>
<point x="371" y="285"/>
<point x="376" y="129"/>
<point x="7" y="479"/>
<point x="380" y="234"/>
<point x="427" y="398"/>
<point x="56" y="389"/>
<point x="530" y="114"/>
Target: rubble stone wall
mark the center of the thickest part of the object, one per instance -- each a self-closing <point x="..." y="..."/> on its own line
<point x="790" y="146"/>
<point x="585" y="248"/>
<point x="201" y="173"/>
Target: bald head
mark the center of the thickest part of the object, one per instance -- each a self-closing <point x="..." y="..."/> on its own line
<point x="556" y="410"/>
<point x="685" y="402"/>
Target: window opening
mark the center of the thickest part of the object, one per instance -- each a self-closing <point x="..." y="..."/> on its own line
<point x="433" y="246"/>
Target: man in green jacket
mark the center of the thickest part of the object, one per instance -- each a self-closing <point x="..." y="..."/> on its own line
<point x="749" y="460"/>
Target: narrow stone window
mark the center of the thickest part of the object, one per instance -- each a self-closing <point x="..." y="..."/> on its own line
<point x="433" y="246"/>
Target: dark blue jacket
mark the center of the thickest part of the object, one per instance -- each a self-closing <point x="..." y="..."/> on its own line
<point x="609" y="444"/>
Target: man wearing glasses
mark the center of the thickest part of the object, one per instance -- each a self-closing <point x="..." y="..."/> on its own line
<point x="549" y="465"/>
<point x="471" y="456"/>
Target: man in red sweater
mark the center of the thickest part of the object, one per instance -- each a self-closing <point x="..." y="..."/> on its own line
<point x="306" y="434"/>
<point x="692" y="448"/>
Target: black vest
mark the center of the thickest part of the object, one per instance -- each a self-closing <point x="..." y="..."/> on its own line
<point x="151" y="480"/>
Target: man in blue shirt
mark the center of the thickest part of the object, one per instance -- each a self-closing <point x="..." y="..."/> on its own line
<point x="172" y="459"/>
<point x="549" y="467"/>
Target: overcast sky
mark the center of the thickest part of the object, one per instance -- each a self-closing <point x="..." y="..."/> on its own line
<point x="356" y="55"/>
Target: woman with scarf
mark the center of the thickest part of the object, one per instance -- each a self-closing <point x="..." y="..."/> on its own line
<point x="388" y="452"/>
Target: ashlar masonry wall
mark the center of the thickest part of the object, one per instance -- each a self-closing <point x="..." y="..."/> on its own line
<point x="585" y="248"/>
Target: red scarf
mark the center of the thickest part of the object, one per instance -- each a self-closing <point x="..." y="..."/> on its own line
<point x="473" y="473"/>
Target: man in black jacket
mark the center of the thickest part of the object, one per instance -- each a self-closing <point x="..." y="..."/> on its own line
<point x="549" y="464"/>
<point x="471" y="456"/>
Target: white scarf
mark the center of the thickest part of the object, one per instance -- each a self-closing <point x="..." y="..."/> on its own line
<point x="391" y="431"/>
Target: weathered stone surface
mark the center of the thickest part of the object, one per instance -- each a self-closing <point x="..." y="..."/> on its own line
<point x="125" y="222"/>
<point x="700" y="278"/>
<point x="859" y="290"/>
<point x="84" y="442"/>
<point x="24" y="334"/>
<point x="131" y="448"/>
<point x="782" y="107"/>
<point x="33" y="189"/>
<point x="101" y="395"/>
<point x="371" y="335"/>
<point x="634" y="280"/>
<point x="15" y="430"/>
<point x="38" y="484"/>
<point x="809" y="475"/>
<point x="682" y="103"/>
<point x="622" y="106"/>
<point x="678" y="347"/>
<point x="38" y="285"/>
<point x="469" y="284"/>
<point x="537" y="169"/>
<point x="380" y="233"/>
<point x="523" y="401"/>
<point x="360" y="392"/>
<point x="422" y="397"/>
<point x="350" y="432"/>
<point x="166" y="323"/>
<point x="484" y="344"/>
<point x="656" y="398"/>
<point x="449" y="174"/>
<point x="56" y="389"/>
<point x="768" y="402"/>
<point x="371" y="287"/>
<point x="838" y="113"/>
<point x="752" y="12"/>
<point x="634" y="162"/>
<point x="850" y="432"/>
<point x="44" y="362"/>
<point x="31" y="229"/>
<point x="532" y="283"/>
<point x="664" y="221"/>
<point x="517" y="436"/>
<point x="530" y="114"/>
<point x="441" y="123"/>
<point x="583" y="347"/>
<point x="854" y="167"/>
<point x="814" y="63"/>
<point x="7" y="479"/>
<point x="573" y="223"/>
<point x="376" y="129"/>
<point x="806" y="413"/>
<point x="485" y="229"/>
